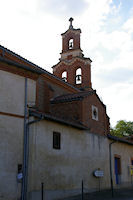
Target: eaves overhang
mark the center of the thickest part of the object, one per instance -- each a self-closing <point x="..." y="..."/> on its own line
<point x="50" y="117"/>
<point x="117" y="139"/>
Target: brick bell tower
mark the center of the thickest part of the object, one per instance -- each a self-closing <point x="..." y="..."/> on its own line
<point x="73" y="67"/>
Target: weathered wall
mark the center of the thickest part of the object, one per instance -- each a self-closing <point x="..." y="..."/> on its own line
<point x="68" y="110"/>
<point x="81" y="153"/>
<point x="12" y="93"/>
<point x="125" y="152"/>
<point x="100" y="126"/>
<point x="11" y="147"/>
<point x="11" y="130"/>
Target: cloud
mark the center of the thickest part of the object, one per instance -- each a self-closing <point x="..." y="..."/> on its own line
<point x="114" y="76"/>
<point x="62" y="7"/>
<point x="128" y="25"/>
<point x="118" y="99"/>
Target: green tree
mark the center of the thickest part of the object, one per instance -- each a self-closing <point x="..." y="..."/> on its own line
<point x="122" y="128"/>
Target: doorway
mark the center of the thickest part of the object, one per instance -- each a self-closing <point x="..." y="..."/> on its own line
<point x="117" y="169"/>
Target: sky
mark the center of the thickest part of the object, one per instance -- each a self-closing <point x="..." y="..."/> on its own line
<point x="32" y="29"/>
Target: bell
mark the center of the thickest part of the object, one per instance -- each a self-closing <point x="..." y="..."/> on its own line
<point x="64" y="79"/>
<point x="78" y="77"/>
<point x="71" y="45"/>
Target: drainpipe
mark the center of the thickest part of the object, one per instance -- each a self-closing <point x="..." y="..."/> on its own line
<point x="26" y="147"/>
<point x="110" y="162"/>
<point x="25" y="144"/>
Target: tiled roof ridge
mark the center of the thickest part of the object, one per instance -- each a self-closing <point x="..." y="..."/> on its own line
<point x="36" y="113"/>
<point x="72" y="97"/>
<point x="118" y="139"/>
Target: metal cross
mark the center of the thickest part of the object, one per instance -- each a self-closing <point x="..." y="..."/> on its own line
<point x="70" y="20"/>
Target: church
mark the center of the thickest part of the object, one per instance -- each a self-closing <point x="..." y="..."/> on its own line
<point x="54" y="129"/>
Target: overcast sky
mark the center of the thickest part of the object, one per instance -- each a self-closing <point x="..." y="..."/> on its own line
<point x="32" y="29"/>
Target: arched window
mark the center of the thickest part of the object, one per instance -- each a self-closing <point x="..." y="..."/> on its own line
<point x="71" y="44"/>
<point x="64" y="76"/>
<point x="78" y="76"/>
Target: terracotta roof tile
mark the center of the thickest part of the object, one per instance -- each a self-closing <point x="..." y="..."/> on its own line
<point x="38" y="114"/>
<point x="72" y="97"/>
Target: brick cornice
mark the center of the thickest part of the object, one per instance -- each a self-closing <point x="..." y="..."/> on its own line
<point x="72" y="61"/>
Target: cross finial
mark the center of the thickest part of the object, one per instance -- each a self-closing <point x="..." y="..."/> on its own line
<point x="70" y="20"/>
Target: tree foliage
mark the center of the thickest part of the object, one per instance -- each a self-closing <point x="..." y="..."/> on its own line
<point x="122" y="128"/>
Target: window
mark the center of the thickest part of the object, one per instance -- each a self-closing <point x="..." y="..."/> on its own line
<point x="56" y="140"/>
<point x="19" y="168"/>
<point x="20" y="174"/>
<point x="64" y="76"/>
<point x="71" y="44"/>
<point x="94" y="113"/>
<point x="78" y="76"/>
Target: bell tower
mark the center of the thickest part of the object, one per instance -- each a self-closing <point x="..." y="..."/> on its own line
<point x="71" y="43"/>
<point x="73" y="67"/>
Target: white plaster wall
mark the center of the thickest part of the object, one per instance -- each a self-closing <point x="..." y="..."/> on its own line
<point x="60" y="170"/>
<point x="11" y="151"/>
<point x="12" y="88"/>
<point x="12" y="93"/>
<point x="31" y="90"/>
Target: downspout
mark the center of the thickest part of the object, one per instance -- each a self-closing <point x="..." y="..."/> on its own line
<point x="24" y="144"/>
<point x="110" y="162"/>
<point x="26" y="147"/>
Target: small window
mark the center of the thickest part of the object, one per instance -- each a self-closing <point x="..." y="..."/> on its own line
<point x="56" y="140"/>
<point x="19" y="168"/>
<point x="64" y="76"/>
<point x="20" y="174"/>
<point x="94" y="113"/>
<point x="71" y="44"/>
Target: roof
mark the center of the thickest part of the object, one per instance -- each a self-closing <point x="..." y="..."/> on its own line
<point x="4" y="49"/>
<point x="72" y="97"/>
<point x="35" y="68"/>
<point x="38" y="114"/>
<point x="73" y="29"/>
<point x="117" y="139"/>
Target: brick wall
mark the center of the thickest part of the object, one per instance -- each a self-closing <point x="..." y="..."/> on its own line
<point x="102" y="125"/>
<point x="68" y="110"/>
<point x="67" y="37"/>
<point x="42" y="95"/>
<point x="71" y="72"/>
<point x="81" y="111"/>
